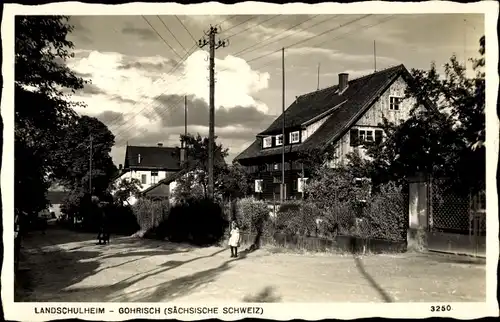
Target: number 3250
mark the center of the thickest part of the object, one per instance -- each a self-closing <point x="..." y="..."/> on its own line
<point x="440" y="308"/>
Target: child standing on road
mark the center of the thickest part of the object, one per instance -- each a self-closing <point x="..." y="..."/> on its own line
<point x="234" y="240"/>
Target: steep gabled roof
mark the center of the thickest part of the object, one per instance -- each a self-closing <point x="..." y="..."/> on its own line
<point x="152" y="157"/>
<point x="344" y="109"/>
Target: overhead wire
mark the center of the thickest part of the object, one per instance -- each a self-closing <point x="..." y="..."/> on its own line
<point x="159" y="35"/>
<point x="273" y="36"/>
<point x="170" y="32"/>
<point x="302" y="41"/>
<point x="185" y="28"/>
<point x="299" y="42"/>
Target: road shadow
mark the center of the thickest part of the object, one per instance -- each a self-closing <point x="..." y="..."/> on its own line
<point x="361" y="268"/>
<point x="50" y="271"/>
<point x="267" y="295"/>
<point x="165" y="291"/>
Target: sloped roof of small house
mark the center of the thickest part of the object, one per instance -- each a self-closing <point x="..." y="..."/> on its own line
<point x="167" y="180"/>
<point x="343" y="111"/>
<point x="152" y="157"/>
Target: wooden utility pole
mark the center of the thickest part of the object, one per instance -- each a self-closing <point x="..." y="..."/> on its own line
<point x="213" y="45"/>
<point x="90" y="167"/>
<point x="318" y="77"/>
<point x="283" y="187"/>
<point x="185" y="116"/>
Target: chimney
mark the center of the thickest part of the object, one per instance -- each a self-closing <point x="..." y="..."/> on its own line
<point x="160" y="144"/>
<point x="343" y="79"/>
<point x="139" y="158"/>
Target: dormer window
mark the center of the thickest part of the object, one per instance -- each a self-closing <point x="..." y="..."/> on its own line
<point x="267" y="142"/>
<point x="279" y="140"/>
<point x="295" y="137"/>
<point x="395" y="102"/>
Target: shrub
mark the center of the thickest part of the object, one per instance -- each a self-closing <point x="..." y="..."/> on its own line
<point x="386" y="213"/>
<point x="297" y="218"/>
<point x="150" y="213"/>
<point x="196" y="221"/>
<point x="253" y="215"/>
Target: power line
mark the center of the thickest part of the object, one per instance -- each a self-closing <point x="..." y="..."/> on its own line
<point x="252" y="26"/>
<point x="166" y="43"/>
<point x="302" y="41"/>
<point x="272" y="36"/>
<point x="329" y="30"/>
<point x="166" y="27"/>
<point x="184" y="26"/>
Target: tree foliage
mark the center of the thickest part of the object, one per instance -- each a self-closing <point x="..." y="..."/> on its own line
<point x="73" y="168"/>
<point x="195" y="182"/>
<point x="42" y="112"/>
<point x="126" y="188"/>
<point x="444" y="139"/>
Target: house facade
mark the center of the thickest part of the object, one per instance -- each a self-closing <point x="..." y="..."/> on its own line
<point x="345" y="116"/>
<point x="150" y="165"/>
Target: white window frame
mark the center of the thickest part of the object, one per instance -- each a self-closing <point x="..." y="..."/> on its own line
<point x="395" y="102"/>
<point x="279" y="139"/>
<point x="363" y="135"/>
<point x="301" y="183"/>
<point x="276" y="166"/>
<point x="297" y="140"/>
<point x="259" y="183"/>
<point x="267" y="142"/>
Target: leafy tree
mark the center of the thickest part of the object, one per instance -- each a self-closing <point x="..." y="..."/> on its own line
<point x="197" y="162"/>
<point x="42" y="112"/>
<point x="125" y="189"/>
<point x="74" y="156"/>
<point x="445" y="139"/>
<point x="235" y="182"/>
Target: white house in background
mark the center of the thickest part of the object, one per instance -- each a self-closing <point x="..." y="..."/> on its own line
<point x="149" y="165"/>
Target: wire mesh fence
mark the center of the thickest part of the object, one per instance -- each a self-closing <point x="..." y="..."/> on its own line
<point x="450" y="212"/>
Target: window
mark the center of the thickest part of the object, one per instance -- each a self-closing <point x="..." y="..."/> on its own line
<point x="276" y="166"/>
<point x="267" y="142"/>
<point x="301" y="184"/>
<point x="295" y="137"/>
<point x="364" y="136"/>
<point x="279" y="139"/>
<point x="259" y="185"/>
<point x="154" y="173"/>
<point x="276" y="180"/>
<point x="144" y="179"/>
<point x="394" y="103"/>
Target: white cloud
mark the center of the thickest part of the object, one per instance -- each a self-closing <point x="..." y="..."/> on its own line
<point x="133" y="90"/>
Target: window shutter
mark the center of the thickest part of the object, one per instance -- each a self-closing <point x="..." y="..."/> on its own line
<point x="354" y="137"/>
<point x="378" y="136"/>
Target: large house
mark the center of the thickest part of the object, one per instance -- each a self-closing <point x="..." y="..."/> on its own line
<point x="150" y="164"/>
<point x="346" y="115"/>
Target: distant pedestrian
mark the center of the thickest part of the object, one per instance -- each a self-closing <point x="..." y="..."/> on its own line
<point x="234" y="239"/>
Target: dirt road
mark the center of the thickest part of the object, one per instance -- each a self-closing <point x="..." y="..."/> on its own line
<point x="69" y="267"/>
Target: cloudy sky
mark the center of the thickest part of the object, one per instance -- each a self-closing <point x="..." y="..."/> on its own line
<point x="139" y="80"/>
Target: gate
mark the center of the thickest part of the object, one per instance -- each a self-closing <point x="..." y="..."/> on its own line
<point x="456" y="223"/>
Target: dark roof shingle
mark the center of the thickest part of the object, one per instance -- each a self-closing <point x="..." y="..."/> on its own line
<point x="344" y="110"/>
